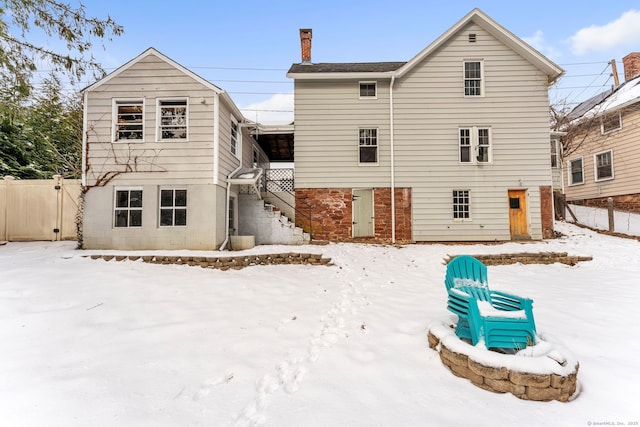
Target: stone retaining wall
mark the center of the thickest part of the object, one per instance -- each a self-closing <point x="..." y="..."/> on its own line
<point x="528" y="258"/>
<point x="224" y="263"/>
<point x="502" y="380"/>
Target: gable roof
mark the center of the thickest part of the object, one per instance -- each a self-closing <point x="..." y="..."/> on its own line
<point x="152" y="51"/>
<point x="342" y="70"/>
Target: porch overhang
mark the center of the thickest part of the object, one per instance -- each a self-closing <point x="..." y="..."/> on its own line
<point x="276" y="141"/>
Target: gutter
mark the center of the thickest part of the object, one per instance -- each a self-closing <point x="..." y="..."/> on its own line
<point x="84" y="139"/>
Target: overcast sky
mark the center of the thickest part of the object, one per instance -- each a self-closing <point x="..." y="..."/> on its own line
<point x="247" y="47"/>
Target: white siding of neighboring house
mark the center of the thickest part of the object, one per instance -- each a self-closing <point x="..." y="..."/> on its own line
<point x="626" y="161"/>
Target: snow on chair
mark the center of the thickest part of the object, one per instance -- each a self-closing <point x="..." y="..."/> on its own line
<point x="502" y="320"/>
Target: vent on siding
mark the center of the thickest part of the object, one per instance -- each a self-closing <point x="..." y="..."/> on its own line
<point x="472" y="38"/>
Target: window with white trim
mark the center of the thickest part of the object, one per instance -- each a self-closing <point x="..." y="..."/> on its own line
<point x="128" y="123"/>
<point x="128" y="207"/>
<point x="576" y="172"/>
<point x="368" y="90"/>
<point x="603" y="165"/>
<point x="461" y="204"/>
<point x="173" y="207"/>
<point x="172" y="119"/>
<point x="555" y="160"/>
<point x="368" y="146"/>
<point x="473" y="82"/>
<point x="234" y="137"/>
<point x="474" y="140"/>
<point x="611" y="122"/>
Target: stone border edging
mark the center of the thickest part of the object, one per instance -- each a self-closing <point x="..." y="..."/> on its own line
<point x="528" y="258"/>
<point x="524" y="385"/>
<point x="224" y="263"/>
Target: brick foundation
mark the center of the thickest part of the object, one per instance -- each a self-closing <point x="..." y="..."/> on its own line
<point x="546" y="211"/>
<point x="627" y="202"/>
<point x="331" y="213"/>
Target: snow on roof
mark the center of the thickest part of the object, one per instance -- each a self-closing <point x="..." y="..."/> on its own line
<point x="626" y="94"/>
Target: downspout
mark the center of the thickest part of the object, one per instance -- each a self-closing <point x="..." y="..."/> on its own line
<point x="393" y="169"/>
<point x="216" y="138"/>
<point x="226" y="215"/>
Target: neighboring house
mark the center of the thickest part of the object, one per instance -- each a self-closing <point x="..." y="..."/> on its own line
<point x="602" y="156"/>
<point x="452" y="145"/>
<point x="159" y="145"/>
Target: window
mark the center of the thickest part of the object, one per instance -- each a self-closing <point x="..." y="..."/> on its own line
<point x="128" y="123"/>
<point x="368" y="89"/>
<point x="576" y="175"/>
<point x="128" y="208"/>
<point x="480" y="138"/>
<point x="473" y="78"/>
<point x="368" y="145"/>
<point x="603" y="163"/>
<point x="483" y="145"/>
<point x="173" y="207"/>
<point x="461" y="204"/>
<point x="234" y="137"/>
<point x="554" y="153"/>
<point x="172" y="122"/>
<point x="611" y="122"/>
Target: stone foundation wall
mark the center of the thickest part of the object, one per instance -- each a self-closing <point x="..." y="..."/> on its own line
<point x="626" y="203"/>
<point x="224" y="263"/>
<point x="502" y="380"/>
<point x="331" y="214"/>
<point x="528" y="258"/>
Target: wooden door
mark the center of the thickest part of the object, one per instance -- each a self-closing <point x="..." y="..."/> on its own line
<point x="362" y="206"/>
<point x="518" y="214"/>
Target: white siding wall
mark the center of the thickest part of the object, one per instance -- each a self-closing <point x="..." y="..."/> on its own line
<point x="327" y="119"/>
<point x="190" y="161"/>
<point x="430" y="107"/>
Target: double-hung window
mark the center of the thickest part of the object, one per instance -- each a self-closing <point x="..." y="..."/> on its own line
<point x="368" y="146"/>
<point x="461" y="204"/>
<point x="173" y="207"/>
<point x="128" y="207"/>
<point x="603" y="164"/>
<point x="235" y="139"/>
<point x="473" y="81"/>
<point x="576" y="173"/>
<point x="128" y="123"/>
<point x="474" y="144"/>
<point x="368" y="90"/>
<point x="172" y="120"/>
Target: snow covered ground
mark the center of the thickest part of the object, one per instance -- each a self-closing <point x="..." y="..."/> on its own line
<point x="624" y="222"/>
<point x="95" y="343"/>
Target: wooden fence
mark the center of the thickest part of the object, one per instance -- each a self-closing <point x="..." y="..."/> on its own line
<point x="43" y="209"/>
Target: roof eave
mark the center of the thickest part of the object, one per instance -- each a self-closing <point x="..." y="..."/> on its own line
<point x="341" y="76"/>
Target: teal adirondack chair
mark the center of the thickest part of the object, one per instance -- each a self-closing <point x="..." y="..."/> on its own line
<point x="503" y="320"/>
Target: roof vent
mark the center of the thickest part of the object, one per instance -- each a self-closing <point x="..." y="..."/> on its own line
<point x="472" y="38"/>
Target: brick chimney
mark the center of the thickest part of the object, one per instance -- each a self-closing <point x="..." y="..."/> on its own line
<point x="305" y="44"/>
<point x="631" y="64"/>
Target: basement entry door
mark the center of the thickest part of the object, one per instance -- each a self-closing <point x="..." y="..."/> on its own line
<point x="362" y="207"/>
<point x="518" y="214"/>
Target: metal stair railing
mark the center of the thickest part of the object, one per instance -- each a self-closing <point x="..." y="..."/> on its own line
<point x="282" y="181"/>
